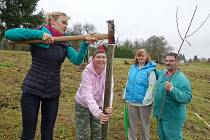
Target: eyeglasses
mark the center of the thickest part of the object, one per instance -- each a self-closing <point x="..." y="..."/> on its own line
<point x="170" y="61"/>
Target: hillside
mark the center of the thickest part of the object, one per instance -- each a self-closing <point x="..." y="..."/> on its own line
<point x="14" y="66"/>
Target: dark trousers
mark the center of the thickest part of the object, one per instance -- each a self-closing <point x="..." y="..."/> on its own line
<point x="30" y="109"/>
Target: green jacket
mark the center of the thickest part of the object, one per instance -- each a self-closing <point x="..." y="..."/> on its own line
<point x="174" y="103"/>
<point x="21" y="34"/>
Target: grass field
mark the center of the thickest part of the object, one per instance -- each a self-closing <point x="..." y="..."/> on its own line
<point x="14" y="66"/>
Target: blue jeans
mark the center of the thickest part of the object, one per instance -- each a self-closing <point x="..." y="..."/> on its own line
<point x="30" y="105"/>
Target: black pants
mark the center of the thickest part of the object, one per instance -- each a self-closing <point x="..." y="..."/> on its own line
<point x="30" y="109"/>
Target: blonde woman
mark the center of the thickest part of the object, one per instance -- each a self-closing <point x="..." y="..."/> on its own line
<point x="41" y="86"/>
<point x="139" y="95"/>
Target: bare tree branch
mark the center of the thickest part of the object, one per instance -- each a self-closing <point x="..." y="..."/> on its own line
<point x="199" y="26"/>
<point x="190" y="22"/>
<point x="177" y="25"/>
<point x="185" y="36"/>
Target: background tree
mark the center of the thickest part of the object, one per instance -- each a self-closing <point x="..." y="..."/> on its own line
<point x="81" y="29"/>
<point x="76" y="29"/>
<point x="19" y="13"/>
<point x="127" y="43"/>
<point x="124" y="49"/>
<point x="138" y="44"/>
<point x="123" y="52"/>
<point x="182" y="57"/>
<point x="157" y="47"/>
<point x="88" y="28"/>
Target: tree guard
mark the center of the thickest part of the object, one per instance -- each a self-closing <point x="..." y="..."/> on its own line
<point x="109" y="69"/>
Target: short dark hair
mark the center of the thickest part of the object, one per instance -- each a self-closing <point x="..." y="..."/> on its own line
<point x="175" y="55"/>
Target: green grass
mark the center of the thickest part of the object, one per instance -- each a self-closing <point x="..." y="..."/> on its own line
<point x="14" y="66"/>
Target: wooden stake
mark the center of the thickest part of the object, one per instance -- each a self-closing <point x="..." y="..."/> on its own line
<point x="109" y="69"/>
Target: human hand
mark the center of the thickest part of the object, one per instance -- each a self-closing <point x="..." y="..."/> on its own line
<point x="108" y="110"/>
<point x="47" y="38"/>
<point x="90" y="39"/>
<point x="168" y="85"/>
<point x="103" y="118"/>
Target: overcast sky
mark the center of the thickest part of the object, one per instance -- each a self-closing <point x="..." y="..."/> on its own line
<point x="141" y="19"/>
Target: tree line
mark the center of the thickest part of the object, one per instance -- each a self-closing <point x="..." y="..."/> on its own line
<point x="156" y="46"/>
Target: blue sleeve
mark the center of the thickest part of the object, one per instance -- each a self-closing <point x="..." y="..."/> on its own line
<point x="22" y="34"/>
<point x="77" y="57"/>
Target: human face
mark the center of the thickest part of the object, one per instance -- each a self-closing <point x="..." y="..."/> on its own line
<point x="60" y="23"/>
<point x="100" y="61"/>
<point x="141" y="58"/>
<point x="171" y="63"/>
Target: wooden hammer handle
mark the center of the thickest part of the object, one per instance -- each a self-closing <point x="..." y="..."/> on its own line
<point x="66" y="38"/>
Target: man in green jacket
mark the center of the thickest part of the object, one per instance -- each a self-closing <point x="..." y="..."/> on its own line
<point x="172" y="93"/>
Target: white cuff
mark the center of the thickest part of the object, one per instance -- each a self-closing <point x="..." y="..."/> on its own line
<point x="171" y="88"/>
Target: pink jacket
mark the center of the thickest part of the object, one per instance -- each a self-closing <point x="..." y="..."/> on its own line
<point x="91" y="91"/>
